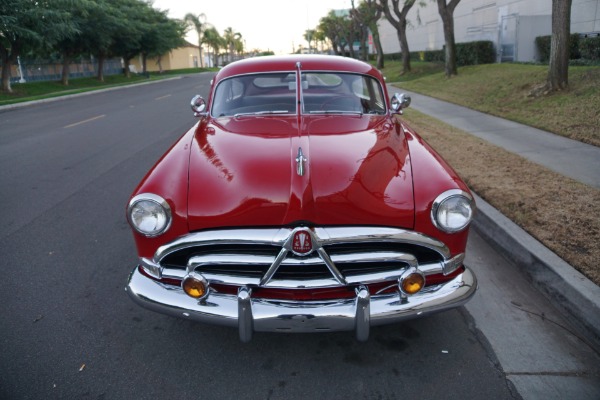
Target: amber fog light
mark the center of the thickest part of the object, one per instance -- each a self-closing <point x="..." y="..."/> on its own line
<point x="195" y="285"/>
<point x="411" y="282"/>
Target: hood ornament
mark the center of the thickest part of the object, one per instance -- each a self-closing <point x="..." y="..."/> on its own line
<point x="300" y="160"/>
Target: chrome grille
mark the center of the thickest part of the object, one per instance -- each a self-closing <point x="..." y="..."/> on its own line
<point x="265" y="257"/>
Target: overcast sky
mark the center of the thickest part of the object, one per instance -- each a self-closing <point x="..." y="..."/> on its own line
<point x="274" y="25"/>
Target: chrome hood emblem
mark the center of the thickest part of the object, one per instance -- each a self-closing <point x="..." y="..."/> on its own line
<point x="300" y="160"/>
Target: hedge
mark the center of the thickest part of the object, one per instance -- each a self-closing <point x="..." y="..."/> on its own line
<point x="470" y="53"/>
<point x="587" y="48"/>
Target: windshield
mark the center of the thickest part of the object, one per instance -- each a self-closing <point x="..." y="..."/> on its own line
<point x="334" y="92"/>
<point x="258" y="94"/>
<point x="276" y="93"/>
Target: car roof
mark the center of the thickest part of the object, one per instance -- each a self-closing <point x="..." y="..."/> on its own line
<point x="289" y="62"/>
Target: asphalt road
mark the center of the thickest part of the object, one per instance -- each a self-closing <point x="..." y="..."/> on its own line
<point x="69" y="331"/>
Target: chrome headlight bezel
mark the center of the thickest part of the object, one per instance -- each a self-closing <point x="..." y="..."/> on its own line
<point x="153" y="200"/>
<point x="442" y="201"/>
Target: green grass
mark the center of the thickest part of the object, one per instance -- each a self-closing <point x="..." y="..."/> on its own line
<point x="42" y="90"/>
<point x="393" y="70"/>
<point x="505" y="90"/>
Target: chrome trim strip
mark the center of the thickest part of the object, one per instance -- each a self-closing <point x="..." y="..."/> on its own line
<point x="228" y="259"/>
<point x="324" y="236"/>
<point x="337" y="275"/>
<point x="453" y="264"/>
<point x="151" y="267"/>
<point x="211" y="277"/>
<point x="224" y="259"/>
<point x="273" y="268"/>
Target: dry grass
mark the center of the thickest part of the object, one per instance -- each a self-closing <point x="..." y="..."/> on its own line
<point x="561" y="213"/>
<point x="505" y="90"/>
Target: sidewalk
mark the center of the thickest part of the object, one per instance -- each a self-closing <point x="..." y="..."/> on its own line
<point x="565" y="287"/>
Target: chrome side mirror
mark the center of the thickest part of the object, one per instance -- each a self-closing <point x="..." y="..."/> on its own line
<point x="198" y="106"/>
<point x="399" y="102"/>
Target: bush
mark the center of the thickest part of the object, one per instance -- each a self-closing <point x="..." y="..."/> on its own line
<point x="589" y="47"/>
<point x="470" y="53"/>
<point x="542" y="43"/>
<point x="434" y="56"/>
<point x="474" y="53"/>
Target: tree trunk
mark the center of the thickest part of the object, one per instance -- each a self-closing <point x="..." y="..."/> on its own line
<point x="6" y="64"/>
<point x="126" y="68"/>
<point x="144" y="62"/>
<point x="446" y="13"/>
<point x="159" y="62"/>
<point x="336" y="50"/>
<point x="364" y="46"/>
<point x="404" y="47"/>
<point x="65" y="69"/>
<point x="101" y="68"/>
<point x="450" y="48"/>
<point x="400" y="26"/>
<point x="558" y="70"/>
<point x="350" y="48"/>
<point x="379" y="48"/>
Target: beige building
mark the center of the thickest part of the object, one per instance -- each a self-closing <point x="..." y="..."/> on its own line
<point x="179" y="58"/>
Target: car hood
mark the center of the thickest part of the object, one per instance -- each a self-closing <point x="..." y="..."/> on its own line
<point x="243" y="172"/>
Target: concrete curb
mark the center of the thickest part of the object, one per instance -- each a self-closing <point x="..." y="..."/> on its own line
<point x="573" y="294"/>
<point x="75" y="95"/>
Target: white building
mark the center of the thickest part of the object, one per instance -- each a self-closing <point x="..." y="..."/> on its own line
<point x="512" y="25"/>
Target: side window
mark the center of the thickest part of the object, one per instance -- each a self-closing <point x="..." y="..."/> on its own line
<point x="368" y="90"/>
<point x="359" y="87"/>
<point x="227" y="94"/>
<point x="232" y="89"/>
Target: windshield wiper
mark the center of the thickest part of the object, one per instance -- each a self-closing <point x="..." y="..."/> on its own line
<point x="262" y="113"/>
<point x="336" y="112"/>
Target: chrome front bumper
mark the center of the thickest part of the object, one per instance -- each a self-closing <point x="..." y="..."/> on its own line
<point x="265" y="315"/>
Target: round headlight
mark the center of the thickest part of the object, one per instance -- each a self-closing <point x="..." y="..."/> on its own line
<point x="149" y="214"/>
<point x="452" y="211"/>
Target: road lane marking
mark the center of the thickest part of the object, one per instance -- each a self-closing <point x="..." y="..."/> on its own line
<point x="85" y="121"/>
<point x="163" y="97"/>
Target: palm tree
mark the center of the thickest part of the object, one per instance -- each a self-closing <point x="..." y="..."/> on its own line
<point x="214" y="40"/>
<point x="320" y="38"/>
<point x="239" y="47"/>
<point x="309" y="36"/>
<point x="230" y="37"/>
<point x="198" y="22"/>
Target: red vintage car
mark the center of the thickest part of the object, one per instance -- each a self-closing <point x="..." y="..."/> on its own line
<point x="300" y="202"/>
